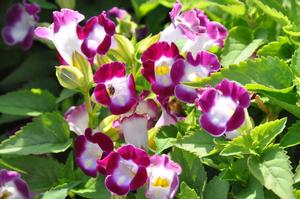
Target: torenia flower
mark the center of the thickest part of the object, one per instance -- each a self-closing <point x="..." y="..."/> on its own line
<point x="91" y="147"/>
<point x="114" y="89"/>
<point x="223" y="107"/>
<point x="157" y="63"/>
<point x="125" y="169"/>
<point x="192" y="69"/>
<point x="163" y="178"/>
<point x="97" y="34"/>
<point x="77" y="118"/>
<point x="193" y="31"/>
<point x="20" y="23"/>
<point x="12" y="186"/>
<point x="63" y="33"/>
<point x="135" y="123"/>
<point x="116" y="12"/>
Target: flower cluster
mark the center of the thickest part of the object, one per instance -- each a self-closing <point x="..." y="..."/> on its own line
<point x="180" y="55"/>
<point x="127" y="168"/>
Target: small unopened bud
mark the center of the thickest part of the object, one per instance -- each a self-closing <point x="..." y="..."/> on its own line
<point x="69" y="77"/>
<point x="66" y="3"/>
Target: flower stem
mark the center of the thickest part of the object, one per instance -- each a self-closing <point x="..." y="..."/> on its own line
<point x="89" y="109"/>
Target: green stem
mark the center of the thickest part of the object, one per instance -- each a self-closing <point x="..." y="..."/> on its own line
<point x="87" y="100"/>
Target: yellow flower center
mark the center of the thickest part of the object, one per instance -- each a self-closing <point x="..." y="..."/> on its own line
<point x="162" y="182"/>
<point x="5" y="195"/>
<point x="162" y="70"/>
<point x="197" y="79"/>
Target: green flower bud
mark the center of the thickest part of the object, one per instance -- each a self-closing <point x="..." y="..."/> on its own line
<point x="69" y="77"/>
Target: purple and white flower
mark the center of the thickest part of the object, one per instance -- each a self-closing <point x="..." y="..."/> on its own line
<point x="114" y="89"/>
<point x="126" y="169"/>
<point x="116" y="12"/>
<point x="135" y="130"/>
<point x="223" y="107"/>
<point x="157" y="63"/>
<point x="20" y="22"/>
<point x="167" y="117"/>
<point x="64" y="33"/>
<point x="97" y="34"/>
<point x="91" y="147"/>
<point x="192" y="69"/>
<point x="77" y="118"/>
<point x="12" y="186"/>
<point x="163" y="180"/>
<point x="193" y="31"/>
<point x="134" y="124"/>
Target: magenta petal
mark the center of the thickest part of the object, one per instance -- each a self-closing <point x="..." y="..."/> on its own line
<point x="236" y="120"/>
<point x="139" y="179"/>
<point x="104" y="46"/>
<point x="178" y="71"/>
<point x="117" y="109"/>
<point x="101" y="94"/>
<point x="205" y="59"/>
<point x="210" y="127"/>
<point x="175" y="10"/>
<point x="207" y="99"/>
<point x="139" y="156"/>
<point x="109" y="71"/>
<point x="113" y="187"/>
<point x="112" y="162"/>
<point x="185" y="93"/>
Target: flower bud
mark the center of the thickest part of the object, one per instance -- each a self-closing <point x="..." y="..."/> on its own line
<point x="69" y="77"/>
<point x="82" y="64"/>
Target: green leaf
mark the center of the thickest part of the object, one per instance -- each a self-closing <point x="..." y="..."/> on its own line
<point x="216" y="189"/>
<point x="273" y="13"/>
<point x="282" y="49"/>
<point x="199" y="143"/>
<point x="287" y="101"/>
<point x="252" y="190"/>
<point x="60" y="191"/>
<point x="186" y="192"/>
<point x="292" y="137"/>
<point x="256" y="141"/>
<point x="65" y="93"/>
<point x="297" y="174"/>
<point x="142" y="45"/>
<point x="193" y="172"/>
<point x="296" y="62"/>
<point x="237" y="171"/>
<point x="49" y="133"/>
<point x="44" y="4"/>
<point x="264" y="134"/>
<point x="273" y="170"/>
<point x="165" y="138"/>
<point x="255" y="73"/>
<point x="41" y="173"/>
<point x="27" y="102"/>
<point x="94" y="188"/>
<point x="142" y="7"/>
<point x="239" y="46"/>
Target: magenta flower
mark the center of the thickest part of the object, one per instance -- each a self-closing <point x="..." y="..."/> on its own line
<point x="77" y="118"/>
<point x="91" y="147"/>
<point x="116" y="12"/>
<point x="193" y="30"/>
<point x="12" y="186"/>
<point x="223" y="107"/>
<point x="97" y="34"/>
<point x="192" y="69"/>
<point x="167" y="117"/>
<point x="20" y="22"/>
<point x="114" y="89"/>
<point x="125" y="169"/>
<point x="63" y="33"/>
<point x="157" y="63"/>
<point x="163" y="178"/>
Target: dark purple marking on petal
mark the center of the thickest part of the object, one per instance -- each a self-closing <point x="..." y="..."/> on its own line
<point x="236" y="120"/>
<point x="139" y="179"/>
<point x="101" y="95"/>
<point x="210" y="127"/>
<point x="109" y="71"/>
<point x="207" y="99"/>
<point x="113" y="187"/>
<point x="185" y="93"/>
